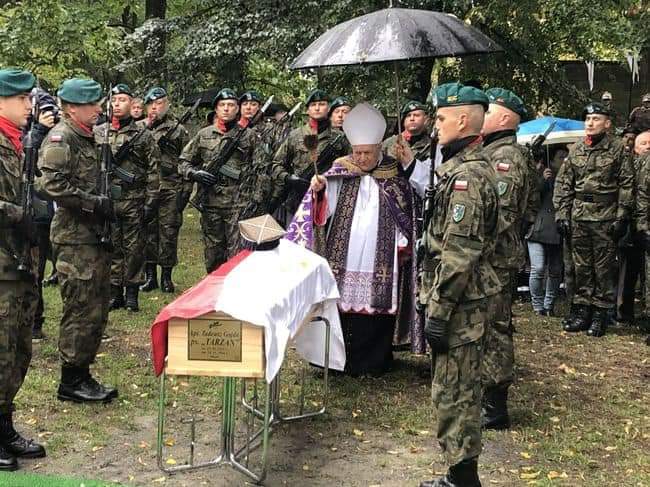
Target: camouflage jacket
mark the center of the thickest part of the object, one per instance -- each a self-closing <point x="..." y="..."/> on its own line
<point x="420" y="145"/>
<point x="639" y="120"/>
<point x="204" y="147"/>
<point x="70" y="163"/>
<point x="12" y="241"/>
<point x="511" y="168"/>
<point x="170" y="177"/>
<point x="596" y="184"/>
<point x="142" y="162"/>
<point x="642" y="212"/>
<point x="459" y="245"/>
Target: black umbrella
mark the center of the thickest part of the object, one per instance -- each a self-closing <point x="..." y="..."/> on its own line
<point x="394" y="34"/>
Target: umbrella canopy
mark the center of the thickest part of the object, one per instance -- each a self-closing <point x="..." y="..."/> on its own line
<point x="394" y="34"/>
<point x="566" y="131"/>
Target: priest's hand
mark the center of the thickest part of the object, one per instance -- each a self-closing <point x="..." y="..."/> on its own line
<point x="318" y="183"/>
<point x="403" y="152"/>
<point x="435" y="331"/>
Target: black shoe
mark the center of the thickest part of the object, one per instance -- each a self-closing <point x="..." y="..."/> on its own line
<point x="131" y="301"/>
<point x="8" y="461"/>
<point x="117" y="297"/>
<point x="570" y="316"/>
<point x="151" y="276"/>
<point x="77" y="385"/>
<point x="53" y="280"/>
<point x="463" y="474"/>
<point x="166" y="284"/>
<point x="494" y="413"/>
<point x="14" y="443"/>
<point x="599" y="323"/>
<point x="37" y="334"/>
<point x="582" y="320"/>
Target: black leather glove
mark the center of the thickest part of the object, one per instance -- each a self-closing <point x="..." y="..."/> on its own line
<point x="435" y="331"/>
<point x="617" y="229"/>
<point x="149" y="214"/>
<point x="563" y="228"/>
<point x="103" y="207"/>
<point x="296" y="183"/>
<point x="203" y="177"/>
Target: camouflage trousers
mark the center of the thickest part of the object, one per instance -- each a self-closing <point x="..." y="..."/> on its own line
<point x="456" y="391"/>
<point x="162" y="232"/>
<point x="569" y="270"/>
<point x="128" y="236"/>
<point x="18" y="300"/>
<point x="499" y="353"/>
<point x="221" y="238"/>
<point x="594" y="258"/>
<point x="85" y="289"/>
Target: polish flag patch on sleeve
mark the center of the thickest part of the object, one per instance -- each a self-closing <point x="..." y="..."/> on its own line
<point x="460" y="185"/>
<point x="56" y="138"/>
<point x="503" y="167"/>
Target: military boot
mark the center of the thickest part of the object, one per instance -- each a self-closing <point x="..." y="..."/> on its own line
<point x="7" y="460"/>
<point x="131" y="303"/>
<point x="151" y="278"/>
<point x="77" y="385"/>
<point x="15" y="444"/>
<point x="463" y="474"/>
<point x="582" y="321"/>
<point x="570" y="316"/>
<point x="494" y="414"/>
<point x="166" y="284"/>
<point x="599" y="323"/>
<point x="117" y="297"/>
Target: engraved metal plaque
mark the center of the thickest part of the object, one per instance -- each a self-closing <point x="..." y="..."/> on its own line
<point x="217" y="340"/>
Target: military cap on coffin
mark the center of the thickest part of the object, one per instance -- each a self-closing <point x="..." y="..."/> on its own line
<point x="80" y="91"/>
<point x="154" y="94"/>
<point x="456" y="94"/>
<point x="263" y="232"/>
<point x="508" y="99"/>
<point x="595" y="108"/>
<point x="15" y="82"/>
<point x="364" y="125"/>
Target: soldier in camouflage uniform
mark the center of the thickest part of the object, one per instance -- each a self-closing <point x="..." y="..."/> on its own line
<point x="222" y="204"/>
<point x="249" y="104"/>
<point x="162" y="231"/>
<point x="337" y="112"/>
<point x="414" y="122"/>
<point x="595" y="202"/>
<point x="18" y="289"/>
<point x="642" y="215"/>
<point x="69" y="161"/>
<point x="511" y="166"/>
<point x="458" y="278"/>
<point x="639" y="120"/>
<point x="137" y="203"/>
<point x="292" y="165"/>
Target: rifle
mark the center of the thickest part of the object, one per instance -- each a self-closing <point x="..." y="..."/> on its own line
<point x="535" y="147"/>
<point x="106" y="173"/>
<point x="27" y="190"/>
<point x="165" y="144"/>
<point x="217" y="165"/>
<point x="285" y="121"/>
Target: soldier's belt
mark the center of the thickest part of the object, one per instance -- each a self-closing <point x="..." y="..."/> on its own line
<point x="230" y="172"/>
<point x="597" y="198"/>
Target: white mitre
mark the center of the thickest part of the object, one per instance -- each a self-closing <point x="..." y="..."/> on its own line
<point x="364" y="125"/>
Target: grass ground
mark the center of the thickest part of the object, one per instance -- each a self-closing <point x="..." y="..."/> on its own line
<point x="580" y="407"/>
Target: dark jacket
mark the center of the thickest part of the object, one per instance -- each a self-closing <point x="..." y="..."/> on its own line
<point x="544" y="230"/>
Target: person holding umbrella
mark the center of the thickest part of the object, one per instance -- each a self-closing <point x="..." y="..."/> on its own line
<point x="458" y="278"/>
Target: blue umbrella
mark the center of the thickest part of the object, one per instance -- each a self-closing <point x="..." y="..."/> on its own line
<point x="566" y="131"/>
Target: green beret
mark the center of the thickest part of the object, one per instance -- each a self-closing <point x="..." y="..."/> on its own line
<point x="340" y="101"/>
<point x="225" y="94"/>
<point x="154" y="94"/>
<point x="316" y="95"/>
<point x="15" y="82"/>
<point x="121" y="89"/>
<point x="508" y="99"/>
<point x="456" y="94"/>
<point x="80" y="91"/>
<point x="250" y="95"/>
<point x="411" y="106"/>
<point x="595" y="108"/>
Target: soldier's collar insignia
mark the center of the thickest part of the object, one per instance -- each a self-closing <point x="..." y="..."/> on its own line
<point x="502" y="187"/>
<point x="458" y="213"/>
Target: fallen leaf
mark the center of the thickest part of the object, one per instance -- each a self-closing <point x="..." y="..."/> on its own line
<point x="305" y="467"/>
<point x="357" y="432"/>
<point x="170" y="461"/>
<point x="529" y="476"/>
<point x="170" y="442"/>
<point x="556" y="475"/>
<point x="159" y="480"/>
<point x="525" y="454"/>
<point x="97" y="448"/>
<point x="611" y="448"/>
